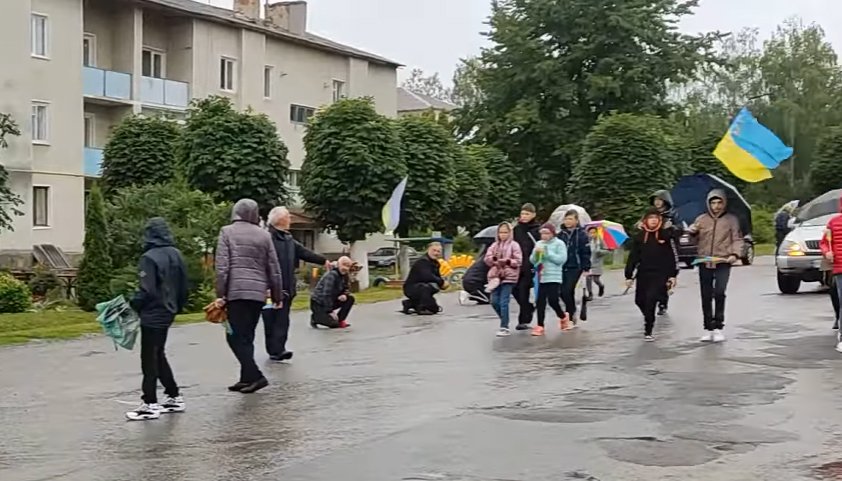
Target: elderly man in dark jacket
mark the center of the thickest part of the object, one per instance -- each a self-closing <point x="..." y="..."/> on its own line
<point x="423" y="282"/>
<point x="290" y="254"/>
<point x="331" y="301"/>
<point x="246" y="268"/>
<point x="161" y="295"/>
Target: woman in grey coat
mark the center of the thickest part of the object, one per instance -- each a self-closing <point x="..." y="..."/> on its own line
<point x="246" y="268"/>
<point x="598" y="254"/>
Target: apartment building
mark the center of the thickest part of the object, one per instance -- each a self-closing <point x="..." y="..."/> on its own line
<point x="75" y="68"/>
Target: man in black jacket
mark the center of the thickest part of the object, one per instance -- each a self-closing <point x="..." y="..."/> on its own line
<point x="162" y="294"/>
<point x="423" y="282"/>
<point x="331" y="301"/>
<point x="578" y="261"/>
<point x="526" y="233"/>
<point x="653" y="260"/>
<point x="290" y="253"/>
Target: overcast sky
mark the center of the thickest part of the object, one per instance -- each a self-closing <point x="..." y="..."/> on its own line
<point x="435" y="34"/>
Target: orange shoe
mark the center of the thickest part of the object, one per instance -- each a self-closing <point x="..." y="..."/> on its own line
<point x="565" y="323"/>
<point x="538" y="331"/>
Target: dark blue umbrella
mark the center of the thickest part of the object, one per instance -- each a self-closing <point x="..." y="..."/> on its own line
<point x="689" y="198"/>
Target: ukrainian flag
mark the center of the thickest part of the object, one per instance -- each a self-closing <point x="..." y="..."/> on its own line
<point x="391" y="213"/>
<point x="750" y="150"/>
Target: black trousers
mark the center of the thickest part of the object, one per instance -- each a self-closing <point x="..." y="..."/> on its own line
<point x="713" y="282"/>
<point x="549" y="293"/>
<point x="521" y="295"/>
<point x="421" y="297"/>
<point x="320" y="314"/>
<point x="154" y="364"/>
<point x="834" y="300"/>
<point x="276" y="328"/>
<point x="651" y="290"/>
<point x="568" y="290"/>
<point x="243" y="317"/>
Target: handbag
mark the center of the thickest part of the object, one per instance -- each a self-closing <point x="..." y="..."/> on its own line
<point x="214" y="313"/>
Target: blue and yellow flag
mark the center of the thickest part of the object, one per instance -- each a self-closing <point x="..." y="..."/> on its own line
<point x="391" y="212"/>
<point x="750" y="150"/>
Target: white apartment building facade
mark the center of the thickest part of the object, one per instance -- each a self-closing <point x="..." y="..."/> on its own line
<point x="75" y="68"/>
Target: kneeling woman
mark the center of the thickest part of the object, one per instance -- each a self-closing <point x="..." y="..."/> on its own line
<point x="504" y="259"/>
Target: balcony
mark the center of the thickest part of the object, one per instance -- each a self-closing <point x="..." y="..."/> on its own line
<point x="107" y="86"/>
<point x="163" y="92"/>
<point x="93" y="162"/>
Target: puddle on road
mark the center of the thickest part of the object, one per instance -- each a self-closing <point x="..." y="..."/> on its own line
<point x="650" y="451"/>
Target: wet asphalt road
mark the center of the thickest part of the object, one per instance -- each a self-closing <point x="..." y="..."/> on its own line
<point x="399" y="398"/>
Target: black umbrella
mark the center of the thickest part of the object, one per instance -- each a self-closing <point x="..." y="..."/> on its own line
<point x="825" y="204"/>
<point x="690" y="199"/>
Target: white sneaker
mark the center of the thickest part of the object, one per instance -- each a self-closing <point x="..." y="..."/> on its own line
<point x="707" y="336"/>
<point x="718" y="336"/>
<point x="839" y="347"/>
<point x="649" y="338"/>
<point x="463" y="298"/>
<point x="503" y="332"/>
<point x="173" y="405"/>
<point x="145" y="412"/>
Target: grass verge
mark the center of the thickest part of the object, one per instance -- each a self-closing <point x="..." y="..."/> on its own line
<point x="764" y="249"/>
<point x="70" y="324"/>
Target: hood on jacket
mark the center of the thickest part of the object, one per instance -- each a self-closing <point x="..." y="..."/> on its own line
<point x="664" y="195"/>
<point x="717" y="194"/>
<point x="511" y="232"/>
<point x="246" y="210"/>
<point x="157" y="234"/>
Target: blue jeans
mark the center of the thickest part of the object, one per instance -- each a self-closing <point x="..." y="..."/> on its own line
<point x="500" y="302"/>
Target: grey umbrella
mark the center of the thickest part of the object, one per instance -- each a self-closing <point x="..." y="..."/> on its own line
<point x="825" y="204"/>
<point x="487" y="235"/>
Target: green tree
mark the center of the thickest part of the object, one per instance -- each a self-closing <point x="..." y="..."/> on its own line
<point x="504" y="199"/>
<point x="233" y="155"/>
<point x="472" y="194"/>
<point x="622" y="163"/>
<point x="429" y="153"/>
<point x="92" y="285"/>
<point x="9" y="201"/>
<point x="140" y="151"/>
<point x="429" y="85"/>
<point x="825" y="172"/>
<point x="556" y="66"/>
<point x="354" y="161"/>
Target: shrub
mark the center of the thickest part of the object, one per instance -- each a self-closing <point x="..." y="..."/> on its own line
<point x="763" y="225"/>
<point x="124" y="282"/>
<point x="14" y="295"/>
<point x="92" y="286"/>
<point x="43" y="281"/>
<point x="825" y="173"/>
<point x="463" y="244"/>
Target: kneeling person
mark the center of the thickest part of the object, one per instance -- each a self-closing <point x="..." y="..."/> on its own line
<point x="654" y="258"/>
<point x="332" y="301"/>
<point x="423" y="282"/>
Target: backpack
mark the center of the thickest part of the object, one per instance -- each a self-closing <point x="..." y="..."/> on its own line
<point x="119" y="322"/>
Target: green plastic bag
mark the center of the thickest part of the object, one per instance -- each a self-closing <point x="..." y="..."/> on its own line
<point x="119" y="322"/>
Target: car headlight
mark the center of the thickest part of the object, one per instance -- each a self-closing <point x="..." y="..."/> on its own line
<point x="792" y="249"/>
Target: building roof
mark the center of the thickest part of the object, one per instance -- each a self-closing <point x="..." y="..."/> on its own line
<point x="409" y="101"/>
<point x="224" y="15"/>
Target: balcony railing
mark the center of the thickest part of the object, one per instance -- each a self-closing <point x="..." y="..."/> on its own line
<point x="93" y="162"/>
<point x="158" y="91"/>
<point x="106" y="83"/>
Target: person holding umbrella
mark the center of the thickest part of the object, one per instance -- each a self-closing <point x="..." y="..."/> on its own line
<point x="719" y="239"/>
<point x="548" y="257"/>
<point x="578" y="261"/>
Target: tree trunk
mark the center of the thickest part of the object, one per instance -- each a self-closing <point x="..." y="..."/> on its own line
<point x="360" y="255"/>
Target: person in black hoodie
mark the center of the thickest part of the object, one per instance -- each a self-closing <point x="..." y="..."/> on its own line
<point x="661" y="200"/>
<point x="654" y="259"/>
<point x="526" y="233"/>
<point x="423" y="282"/>
<point x="578" y="262"/>
<point x="290" y="253"/>
<point x="161" y="295"/>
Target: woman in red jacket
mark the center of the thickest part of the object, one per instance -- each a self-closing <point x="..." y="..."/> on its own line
<point x="831" y="245"/>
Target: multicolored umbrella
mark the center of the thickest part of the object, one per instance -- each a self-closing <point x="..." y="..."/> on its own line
<point x="612" y="234"/>
<point x="709" y="260"/>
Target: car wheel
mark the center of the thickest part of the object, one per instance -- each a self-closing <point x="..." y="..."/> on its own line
<point x="748" y="259"/>
<point x="788" y="284"/>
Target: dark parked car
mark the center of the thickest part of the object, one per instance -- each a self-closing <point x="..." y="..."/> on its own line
<point x="687" y="250"/>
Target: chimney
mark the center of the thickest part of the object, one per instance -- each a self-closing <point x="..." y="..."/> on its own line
<point x="248" y="8"/>
<point x="290" y="16"/>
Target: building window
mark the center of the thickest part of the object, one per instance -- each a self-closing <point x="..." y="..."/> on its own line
<point x="40" y="35"/>
<point x="90" y="128"/>
<point x="153" y="63"/>
<point x="267" y="82"/>
<point x="292" y="178"/>
<point x="40" y="206"/>
<point x="299" y="114"/>
<point x="89" y="50"/>
<point x="226" y="74"/>
<point x="40" y="122"/>
<point x="338" y="90"/>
